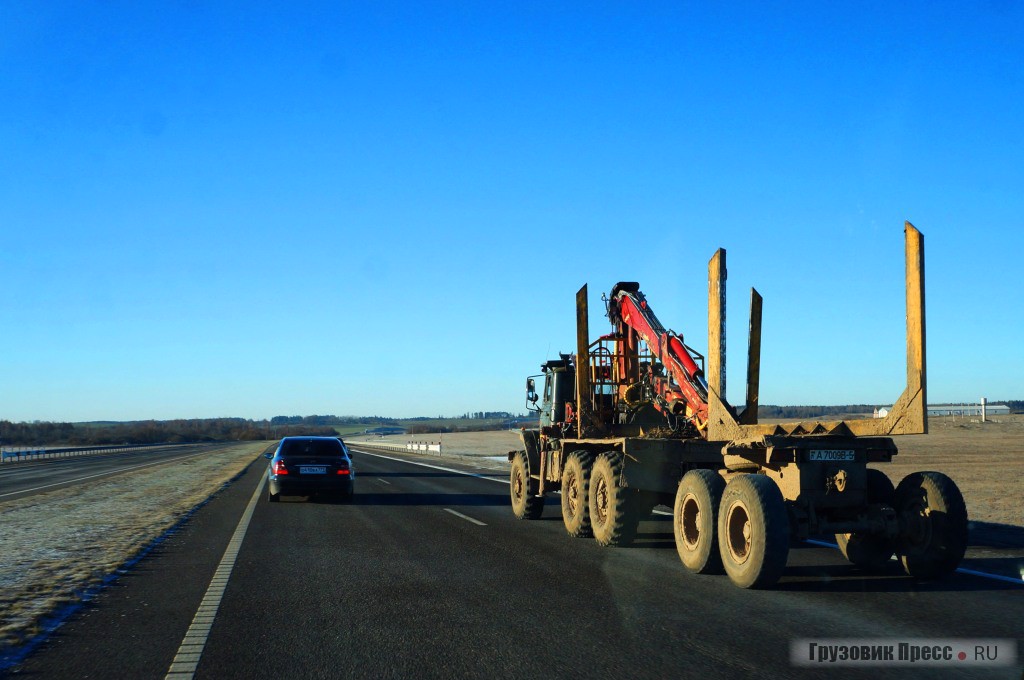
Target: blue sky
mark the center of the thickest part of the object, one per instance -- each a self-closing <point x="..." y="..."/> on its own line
<point x="210" y="209"/>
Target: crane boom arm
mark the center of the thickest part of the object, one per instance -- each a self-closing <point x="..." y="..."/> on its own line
<point x="686" y="392"/>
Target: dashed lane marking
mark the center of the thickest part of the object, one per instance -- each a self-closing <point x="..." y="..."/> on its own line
<point x="466" y="517"/>
<point x="961" y="570"/>
<point x="192" y="645"/>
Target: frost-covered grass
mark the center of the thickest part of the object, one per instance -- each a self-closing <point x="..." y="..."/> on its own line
<point x="56" y="545"/>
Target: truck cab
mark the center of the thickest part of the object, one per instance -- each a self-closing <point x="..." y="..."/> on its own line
<point x="559" y="388"/>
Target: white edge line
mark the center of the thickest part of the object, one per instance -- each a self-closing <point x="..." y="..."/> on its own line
<point x="102" y="474"/>
<point x="466" y="517"/>
<point x="962" y="570"/>
<point x="997" y="577"/>
<point x="190" y="651"/>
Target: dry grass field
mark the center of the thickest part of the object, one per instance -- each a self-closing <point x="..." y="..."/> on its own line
<point x="986" y="460"/>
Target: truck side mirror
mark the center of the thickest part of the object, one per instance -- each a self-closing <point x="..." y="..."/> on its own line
<point x="531" y="391"/>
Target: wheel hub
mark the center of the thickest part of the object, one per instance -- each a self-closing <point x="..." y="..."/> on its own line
<point x="574" y="494"/>
<point x="689" y="520"/>
<point x="919" y="524"/>
<point x="738" y="532"/>
<point x="602" y="500"/>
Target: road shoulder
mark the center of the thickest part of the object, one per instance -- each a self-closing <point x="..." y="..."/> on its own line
<point x="134" y="626"/>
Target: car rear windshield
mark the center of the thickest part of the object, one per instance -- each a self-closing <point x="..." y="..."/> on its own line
<point x="314" y="448"/>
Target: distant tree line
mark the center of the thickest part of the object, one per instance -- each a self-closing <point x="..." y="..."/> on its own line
<point x="808" y="412"/>
<point x="487" y="415"/>
<point x="330" y="420"/>
<point x="214" y="429"/>
<point x="1015" y="406"/>
<point x="151" y="432"/>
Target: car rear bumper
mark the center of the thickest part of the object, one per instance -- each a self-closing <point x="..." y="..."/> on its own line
<point x="295" y="486"/>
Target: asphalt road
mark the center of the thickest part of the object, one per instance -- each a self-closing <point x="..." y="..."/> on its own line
<point x="18" y="480"/>
<point x="428" y="575"/>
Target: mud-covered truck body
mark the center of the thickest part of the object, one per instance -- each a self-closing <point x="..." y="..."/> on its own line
<point x="631" y="421"/>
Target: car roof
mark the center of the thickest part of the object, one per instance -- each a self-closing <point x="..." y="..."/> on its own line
<point x="309" y="438"/>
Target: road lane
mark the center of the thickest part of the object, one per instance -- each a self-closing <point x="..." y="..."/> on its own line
<point x="183" y="665"/>
<point x="394" y="586"/>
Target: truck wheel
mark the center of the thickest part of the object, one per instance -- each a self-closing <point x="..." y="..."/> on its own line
<point x="870" y="551"/>
<point x="525" y="503"/>
<point x="933" y="524"/>
<point x="695" y="520"/>
<point x="575" y="488"/>
<point x="613" y="508"/>
<point x="753" y="531"/>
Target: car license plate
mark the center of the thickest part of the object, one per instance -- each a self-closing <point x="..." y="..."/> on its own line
<point x="312" y="469"/>
<point x="832" y="455"/>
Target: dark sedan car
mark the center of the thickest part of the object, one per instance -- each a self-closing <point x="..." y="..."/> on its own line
<point x="304" y="466"/>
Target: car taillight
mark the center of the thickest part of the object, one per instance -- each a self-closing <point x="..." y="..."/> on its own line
<point x="279" y="468"/>
<point x="343" y="468"/>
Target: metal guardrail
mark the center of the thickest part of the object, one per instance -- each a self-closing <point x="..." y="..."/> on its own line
<point x="410" y="447"/>
<point x="12" y="455"/>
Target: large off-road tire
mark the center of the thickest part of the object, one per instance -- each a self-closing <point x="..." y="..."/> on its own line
<point x="525" y="502"/>
<point x="575" y="491"/>
<point x="695" y="521"/>
<point x="613" y="508"/>
<point x="870" y="551"/>
<point x="933" y="524"/>
<point x="753" y="531"/>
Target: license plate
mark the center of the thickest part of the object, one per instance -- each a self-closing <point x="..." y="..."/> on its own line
<point x="831" y="455"/>
<point x="312" y="469"/>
